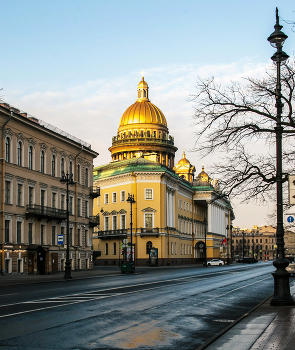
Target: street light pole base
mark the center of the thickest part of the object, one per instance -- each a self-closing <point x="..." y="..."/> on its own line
<point x="67" y="273"/>
<point x="281" y="296"/>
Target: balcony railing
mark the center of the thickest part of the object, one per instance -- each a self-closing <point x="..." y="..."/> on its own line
<point x="130" y="140"/>
<point x="94" y="220"/>
<point x="112" y="233"/>
<point x="94" y="192"/>
<point x="42" y="212"/>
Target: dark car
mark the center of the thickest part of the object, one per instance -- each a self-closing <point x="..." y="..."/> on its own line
<point x="248" y="261"/>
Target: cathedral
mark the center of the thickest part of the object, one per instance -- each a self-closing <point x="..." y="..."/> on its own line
<point x="149" y="203"/>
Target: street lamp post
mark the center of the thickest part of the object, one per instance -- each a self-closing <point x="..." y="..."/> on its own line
<point x="205" y="223"/>
<point x="229" y="240"/>
<point x="281" y="296"/>
<point x="131" y="200"/>
<point x="67" y="179"/>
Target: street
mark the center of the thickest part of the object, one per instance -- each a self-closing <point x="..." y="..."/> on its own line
<point x="155" y="308"/>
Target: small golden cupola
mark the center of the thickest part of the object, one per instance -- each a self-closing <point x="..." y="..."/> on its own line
<point x="143" y="131"/>
<point x="203" y="176"/>
<point x="143" y="91"/>
<point x="184" y="168"/>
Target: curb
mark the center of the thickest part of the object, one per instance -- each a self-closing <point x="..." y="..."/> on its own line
<point x="218" y="335"/>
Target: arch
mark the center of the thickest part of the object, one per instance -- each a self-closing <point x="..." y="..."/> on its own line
<point x="149" y="245"/>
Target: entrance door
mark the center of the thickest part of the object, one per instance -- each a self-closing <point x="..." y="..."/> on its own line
<point x="54" y="262"/>
<point x="31" y="264"/>
<point x="41" y="261"/>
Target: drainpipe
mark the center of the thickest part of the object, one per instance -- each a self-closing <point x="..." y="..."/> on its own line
<point x="135" y="218"/>
<point x="3" y="188"/>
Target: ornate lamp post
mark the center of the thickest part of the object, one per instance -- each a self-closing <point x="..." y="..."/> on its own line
<point x="131" y="200"/>
<point x="67" y="179"/>
<point x="281" y="296"/>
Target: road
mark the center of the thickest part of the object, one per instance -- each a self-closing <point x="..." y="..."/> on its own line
<point x="159" y="308"/>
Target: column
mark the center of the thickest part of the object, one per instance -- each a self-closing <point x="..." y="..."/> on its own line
<point x="209" y="218"/>
<point x="167" y="206"/>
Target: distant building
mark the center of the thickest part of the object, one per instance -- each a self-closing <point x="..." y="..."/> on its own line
<point x="173" y="211"/>
<point x="33" y="202"/>
<point x="260" y="242"/>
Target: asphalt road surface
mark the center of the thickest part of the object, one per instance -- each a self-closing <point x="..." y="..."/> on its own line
<point x="156" y="308"/>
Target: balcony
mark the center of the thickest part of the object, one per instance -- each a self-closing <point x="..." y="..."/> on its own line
<point x="94" y="220"/>
<point x="117" y="141"/>
<point x="94" y="192"/>
<point x="112" y="234"/>
<point x="149" y="231"/>
<point x="42" y="212"/>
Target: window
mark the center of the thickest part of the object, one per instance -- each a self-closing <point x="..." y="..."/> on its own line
<point x="106" y="249"/>
<point x="181" y="251"/>
<point x="42" y="198"/>
<point x="114" y="248"/>
<point x="122" y="196"/>
<point x="30" y="157"/>
<point x="71" y="237"/>
<point x="71" y="168"/>
<point x="149" y="221"/>
<point x="175" y="248"/>
<point x="106" y="198"/>
<point x="171" y="248"/>
<point x="71" y="206"/>
<point x="106" y="223"/>
<point x="62" y="202"/>
<point x="79" y="237"/>
<point x="181" y="204"/>
<point x="78" y="173"/>
<point x="148" y="193"/>
<point x="187" y="206"/>
<point x="53" y="235"/>
<point x="30" y="233"/>
<point x="19" y="194"/>
<point x="87" y="239"/>
<point x="86" y="177"/>
<point x="7" y="149"/>
<point x="7" y="192"/>
<point x="42" y="162"/>
<point x="114" y="222"/>
<point x="149" y="245"/>
<point x="53" y="166"/>
<point x="62" y="232"/>
<point x="86" y="209"/>
<point x="42" y="234"/>
<point x="123" y="222"/>
<point x="7" y="231"/>
<point x="79" y="207"/>
<point x="53" y="200"/>
<point x="18" y="232"/>
<point x="114" y="197"/>
<point x="62" y="166"/>
<point x="19" y="153"/>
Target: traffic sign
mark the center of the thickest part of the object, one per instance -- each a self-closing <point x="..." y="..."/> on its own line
<point x="60" y="239"/>
<point x="290" y="219"/>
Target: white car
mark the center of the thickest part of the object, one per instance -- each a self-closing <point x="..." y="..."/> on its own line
<point x="215" y="262"/>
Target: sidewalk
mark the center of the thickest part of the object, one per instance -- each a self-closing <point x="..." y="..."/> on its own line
<point x="265" y="328"/>
<point x="7" y="280"/>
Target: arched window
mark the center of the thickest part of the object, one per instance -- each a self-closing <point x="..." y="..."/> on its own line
<point x="53" y="166"/>
<point x="86" y="177"/>
<point x="114" y="248"/>
<point x="42" y="163"/>
<point x="149" y="245"/>
<point x="62" y="167"/>
<point x="19" y="153"/>
<point x="31" y="157"/>
<point x="78" y="173"/>
<point x="7" y="149"/>
<point x="106" y="249"/>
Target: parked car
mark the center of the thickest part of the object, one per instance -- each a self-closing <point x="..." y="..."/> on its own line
<point x="291" y="268"/>
<point x="248" y="260"/>
<point x="215" y="262"/>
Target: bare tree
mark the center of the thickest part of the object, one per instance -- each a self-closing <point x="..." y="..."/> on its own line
<point x="236" y="121"/>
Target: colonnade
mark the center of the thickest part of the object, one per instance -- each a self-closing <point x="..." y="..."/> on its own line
<point x="217" y="219"/>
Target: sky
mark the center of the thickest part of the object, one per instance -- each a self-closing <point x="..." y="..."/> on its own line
<point x="76" y="64"/>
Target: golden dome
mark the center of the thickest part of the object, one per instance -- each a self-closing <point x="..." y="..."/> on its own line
<point x="183" y="160"/>
<point x="203" y="175"/>
<point x="143" y="112"/>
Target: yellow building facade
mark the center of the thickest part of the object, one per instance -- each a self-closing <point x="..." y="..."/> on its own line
<point x="173" y="211"/>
